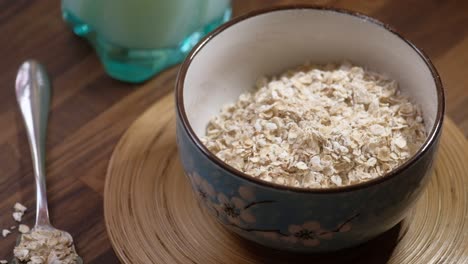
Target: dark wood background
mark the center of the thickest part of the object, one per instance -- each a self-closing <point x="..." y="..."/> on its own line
<point x="90" y="111"/>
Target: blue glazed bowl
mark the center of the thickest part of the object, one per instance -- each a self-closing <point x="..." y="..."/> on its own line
<point x="227" y="63"/>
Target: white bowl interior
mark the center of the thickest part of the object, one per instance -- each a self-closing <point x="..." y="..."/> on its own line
<point x="270" y="43"/>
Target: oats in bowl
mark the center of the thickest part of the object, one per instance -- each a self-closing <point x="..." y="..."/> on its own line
<point x="318" y="126"/>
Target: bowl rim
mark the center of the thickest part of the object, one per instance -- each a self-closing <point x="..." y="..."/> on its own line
<point x="431" y="138"/>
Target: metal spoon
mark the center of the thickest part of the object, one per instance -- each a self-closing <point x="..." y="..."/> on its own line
<point x="33" y="96"/>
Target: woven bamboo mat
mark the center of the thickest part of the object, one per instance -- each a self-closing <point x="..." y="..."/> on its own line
<point x="152" y="217"/>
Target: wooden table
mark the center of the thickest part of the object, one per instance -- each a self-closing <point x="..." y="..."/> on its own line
<point x="90" y="111"/>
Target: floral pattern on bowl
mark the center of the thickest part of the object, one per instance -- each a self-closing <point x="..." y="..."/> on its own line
<point x="239" y="212"/>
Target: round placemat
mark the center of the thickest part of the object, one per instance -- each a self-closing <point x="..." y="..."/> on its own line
<point x="152" y="216"/>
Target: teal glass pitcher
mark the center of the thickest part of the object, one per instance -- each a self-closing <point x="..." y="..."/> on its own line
<point x="135" y="39"/>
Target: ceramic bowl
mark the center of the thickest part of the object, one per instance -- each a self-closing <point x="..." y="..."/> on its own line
<point x="227" y="63"/>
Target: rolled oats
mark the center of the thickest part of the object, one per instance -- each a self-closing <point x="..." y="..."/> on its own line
<point x="46" y="246"/>
<point x="19" y="208"/>
<point x="17" y="216"/>
<point x="18" y="213"/>
<point x="318" y="126"/>
<point x="23" y="229"/>
<point x="5" y="232"/>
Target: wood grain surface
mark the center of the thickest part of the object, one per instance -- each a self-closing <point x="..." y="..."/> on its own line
<point x="90" y="111"/>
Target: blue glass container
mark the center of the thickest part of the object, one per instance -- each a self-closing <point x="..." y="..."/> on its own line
<point x="137" y="39"/>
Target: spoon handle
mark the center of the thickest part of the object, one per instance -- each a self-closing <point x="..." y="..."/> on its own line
<point x="33" y="96"/>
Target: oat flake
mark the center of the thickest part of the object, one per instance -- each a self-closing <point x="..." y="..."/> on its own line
<point x="318" y="126"/>
<point x="23" y="229"/>
<point x="47" y="247"/>
<point x="5" y="232"/>
<point x="17" y="216"/>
